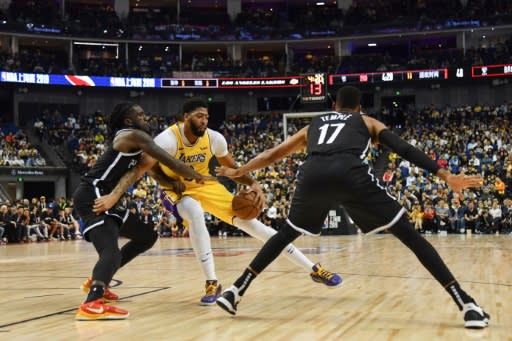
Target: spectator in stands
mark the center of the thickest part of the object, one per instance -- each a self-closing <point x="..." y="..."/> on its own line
<point x="38" y="225"/>
<point x="7" y="224"/>
<point x="442" y="215"/>
<point x="22" y="221"/>
<point x="166" y="223"/>
<point x="416" y="217"/>
<point x="471" y="217"/>
<point x="497" y="216"/>
<point x="429" y="215"/>
<point x="485" y="222"/>
<point x="457" y="217"/>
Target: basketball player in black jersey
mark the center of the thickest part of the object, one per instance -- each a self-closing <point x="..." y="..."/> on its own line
<point x="335" y="173"/>
<point x="130" y="148"/>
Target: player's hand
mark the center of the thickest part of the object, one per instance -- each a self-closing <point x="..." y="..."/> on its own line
<point x="226" y="171"/>
<point x="459" y="182"/>
<point x="260" y="196"/>
<point x="201" y="179"/>
<point x="104" y="203"/>
<point x="176" y="186"/>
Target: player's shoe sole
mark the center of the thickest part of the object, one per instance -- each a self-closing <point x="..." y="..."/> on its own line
<point x="98" y="310"/>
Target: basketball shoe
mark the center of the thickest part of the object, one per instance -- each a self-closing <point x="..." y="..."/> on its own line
<point x="229" y="300"/>
<point x="107" y="294"/>
<point x="474" y="316"/>
<point x="213" y="290"/>
<point x="330" y="279"/>
<point x="98" y="310"/>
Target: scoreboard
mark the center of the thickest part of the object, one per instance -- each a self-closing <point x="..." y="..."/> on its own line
<point x="389" y="76"/>
<point x="313" y="87"/>
<point x="188" y="83"/>
<point x="501" y="70"/>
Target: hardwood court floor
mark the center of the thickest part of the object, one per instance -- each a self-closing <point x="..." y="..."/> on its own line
<point x="386" y="295"/>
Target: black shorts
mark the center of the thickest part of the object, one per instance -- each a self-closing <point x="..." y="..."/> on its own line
<point x="83" y="199"/>
<point x="325" y="182"/>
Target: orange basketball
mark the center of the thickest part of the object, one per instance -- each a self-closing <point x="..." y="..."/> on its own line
<point x="244" y="205"/>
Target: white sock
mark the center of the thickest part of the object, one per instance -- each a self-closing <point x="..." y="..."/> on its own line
<point x="191" y="210"/>
<point x="258" y="230"/>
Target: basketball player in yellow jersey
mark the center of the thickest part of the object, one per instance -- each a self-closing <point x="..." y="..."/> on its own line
<point x="192" y="142"/>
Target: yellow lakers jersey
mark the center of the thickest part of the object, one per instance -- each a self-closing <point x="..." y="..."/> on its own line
<point x="197" y="156"/>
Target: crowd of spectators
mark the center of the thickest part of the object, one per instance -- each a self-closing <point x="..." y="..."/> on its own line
<point x="254" y="22"/>
<point x="470" y="139"/>
<point x="163" y="63"/>
<point x="16" y="150"/>
<point x="271" y="21"/>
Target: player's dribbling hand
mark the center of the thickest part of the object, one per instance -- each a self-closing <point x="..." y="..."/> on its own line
<point x="104" y="203"/>
<point x="459" y="182"/>
<point x="226" y="171"/>
<point x="260" y="196"/>
<point x="201" y="179"/>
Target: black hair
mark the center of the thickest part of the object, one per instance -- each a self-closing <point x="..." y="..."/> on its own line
<point x="117" y="116"/>
<point x="348" y="97"/>
<point x="193" y="104"/>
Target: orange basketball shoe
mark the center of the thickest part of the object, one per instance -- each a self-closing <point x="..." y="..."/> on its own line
<point x="107" y="294"/>
<point x="98" y="310"/>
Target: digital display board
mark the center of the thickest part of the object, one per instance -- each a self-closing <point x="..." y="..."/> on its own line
<point x="389" y="76"/>
<point x="267" y="82"/>
<point x="188" y="83"/>
<point x="502" y="70"/>
<point x="459" y="72"/>
<point x="314" y="88"/>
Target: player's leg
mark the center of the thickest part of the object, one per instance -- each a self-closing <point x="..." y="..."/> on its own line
<point x="191" y="210"/>
<point x="307" y="214"/>
<point x="104" y="237"/>
<point x="257" y="229"/>
<point x="216" y="200"/>
<point x="105" y="240"/>
<point x="474" y="316"/>
<point x="268" y="253"/>
<point x="388" y="213"/>
<point x="142" y="238"/>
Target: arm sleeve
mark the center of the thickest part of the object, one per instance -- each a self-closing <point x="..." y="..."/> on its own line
<point x="219" y="144"/>
<point x="407" y="151"/>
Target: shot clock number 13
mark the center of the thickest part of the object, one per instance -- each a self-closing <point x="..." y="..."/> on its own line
<point x="314" y="89"/>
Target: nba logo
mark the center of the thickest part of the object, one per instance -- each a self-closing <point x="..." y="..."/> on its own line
<point x="484" y="71"/>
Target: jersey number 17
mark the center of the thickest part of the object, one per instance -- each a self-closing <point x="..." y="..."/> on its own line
<point x="323" y="132"/>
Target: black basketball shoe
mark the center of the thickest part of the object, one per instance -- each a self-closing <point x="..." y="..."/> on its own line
<point x="229" y="300"/>
<point x="474" y="316"/>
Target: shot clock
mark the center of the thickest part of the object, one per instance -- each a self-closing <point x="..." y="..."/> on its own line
<point x="314" y="89"/>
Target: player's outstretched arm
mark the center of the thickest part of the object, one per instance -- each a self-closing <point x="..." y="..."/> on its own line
<point x="166" y="182"/>
<point x="107" y="201"/>
<point x="380" y="133"/>
<point x="146" y="143"/>
<point x="268" y="157"/>
<point x="227" y="161"/>
<point x="459" y="182"/>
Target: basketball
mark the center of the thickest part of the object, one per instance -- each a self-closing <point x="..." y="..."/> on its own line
<point x="244" y="205"/>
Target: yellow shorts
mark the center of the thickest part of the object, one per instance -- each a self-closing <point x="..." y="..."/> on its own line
<point x="213" y="197"/>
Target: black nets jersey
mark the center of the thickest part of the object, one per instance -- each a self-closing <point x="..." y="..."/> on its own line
<point x="110" y="167"/>
<point x="338" y="132"/>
